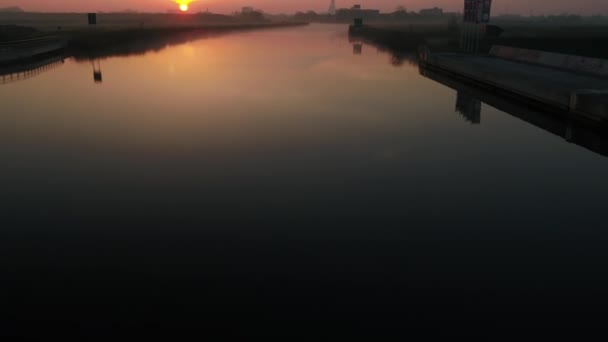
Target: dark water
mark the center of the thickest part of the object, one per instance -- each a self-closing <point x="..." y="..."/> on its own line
<point x="275" y="181"/>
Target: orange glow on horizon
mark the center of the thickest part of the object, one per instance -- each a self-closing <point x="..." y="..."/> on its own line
<point x="183" y="8"/>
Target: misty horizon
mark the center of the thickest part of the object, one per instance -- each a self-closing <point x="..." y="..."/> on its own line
<point x="500" y="7"/>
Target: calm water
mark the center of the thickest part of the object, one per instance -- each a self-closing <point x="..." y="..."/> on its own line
<point x="281" y="177"/>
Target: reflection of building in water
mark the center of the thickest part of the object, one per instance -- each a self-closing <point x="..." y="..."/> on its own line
<point x="469" y="107"/>
<point x="29" y="70"/>
<point x="97" y="77"/>
<point x="357" y="49"/>
<point x="585" y="133"/>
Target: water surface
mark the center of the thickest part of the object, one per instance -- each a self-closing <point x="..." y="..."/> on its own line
<point x="287" y="176"/>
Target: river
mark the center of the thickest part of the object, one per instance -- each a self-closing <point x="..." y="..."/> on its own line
<point x="287" y="176"/>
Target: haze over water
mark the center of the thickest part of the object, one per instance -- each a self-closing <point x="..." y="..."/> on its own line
<point x="279" y="174"/>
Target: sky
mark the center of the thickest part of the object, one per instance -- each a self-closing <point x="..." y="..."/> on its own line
<point x="290" y="6"/>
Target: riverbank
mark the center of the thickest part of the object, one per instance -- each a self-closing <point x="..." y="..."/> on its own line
<point x="28" y="49"/>
<point x="98" y="42"/>
<point x="589" y="41"/>
<point x="406" y="38"/>
<point x="572" y="84"/>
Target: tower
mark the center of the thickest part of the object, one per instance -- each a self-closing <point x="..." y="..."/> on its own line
<point x="332" y="7"/>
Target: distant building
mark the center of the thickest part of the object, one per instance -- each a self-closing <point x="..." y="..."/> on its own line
<point x="432" y="12"/>
<point x="247" y="9"/>
<point x="349" y="14"/>
<point x="332" y="7"/>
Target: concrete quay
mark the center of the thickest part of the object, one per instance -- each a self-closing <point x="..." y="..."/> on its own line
<point x="573" y="129"/>
<point x="575" y="84"/>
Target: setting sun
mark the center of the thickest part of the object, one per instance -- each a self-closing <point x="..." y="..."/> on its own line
<point x="184" y="5"/>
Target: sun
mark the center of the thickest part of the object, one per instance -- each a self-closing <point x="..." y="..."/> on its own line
<point x="184" y="5"/>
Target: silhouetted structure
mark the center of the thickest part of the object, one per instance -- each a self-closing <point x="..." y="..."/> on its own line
<point x="332" y="8"/>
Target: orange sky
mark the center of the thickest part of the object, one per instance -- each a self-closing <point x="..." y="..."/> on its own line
<point x="290" y="6"/>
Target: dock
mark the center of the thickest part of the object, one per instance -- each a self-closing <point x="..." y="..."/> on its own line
<point x="574" y="84"/>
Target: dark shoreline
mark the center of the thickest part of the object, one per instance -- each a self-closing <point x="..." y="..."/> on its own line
<point x="97" y="43"/>
<point x="101" y="39"/>
<point x="394" y="39"/>
<point x="580" y="40"/>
